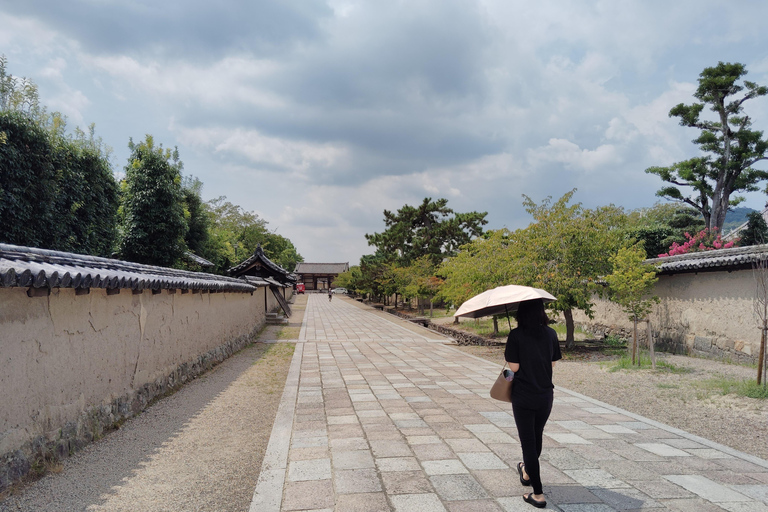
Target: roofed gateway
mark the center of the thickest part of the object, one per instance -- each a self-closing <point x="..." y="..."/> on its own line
<point x="319" y="276"/>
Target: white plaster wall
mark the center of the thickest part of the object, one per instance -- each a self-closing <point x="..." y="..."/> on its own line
<point x="717" y="305"/>
<point x="63" y="354"/>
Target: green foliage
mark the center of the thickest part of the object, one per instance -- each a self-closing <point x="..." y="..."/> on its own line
<point x="630" y="282"/>
<point x="613" y="340"/>
<point x="351" y="280"/>
<point x="56" y="192"/>
<point x="430" y="229"/>
<point x="196" y="215"/>
<point x="18" y="94"/>
<point x="154" y="226"/>
<point x="282" y="251"/>
<point x="730" y="147"/>
<point x="234" y="234"/>
<point x="661" y="225"/>
<point x="756" y="231"/>
<point x="480" y="265"/>
<point x="566" y="250"/>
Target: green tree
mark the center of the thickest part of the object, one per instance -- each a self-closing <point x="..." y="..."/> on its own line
<point x="430" y="229"/>
<point x="566" y="250"/>
<point x="234" y="233"/>
<point x="730" y="147"/>
<point x="56" y="191"/>
<point x="28" y="183"/>
<point x="661" y="225"/>
<point x="351" y="280"/>
<point x="18" y="94"/>
<point x="756" y="231"/>
<point x="422" y="282"/>
<point x="281" y="250"/>
<point x="196" y="215"/>
<point x="629" y="285"/>
<point x="154" y="227"/>
<point x="88" y="197"/>
<point x="484" y="263"/>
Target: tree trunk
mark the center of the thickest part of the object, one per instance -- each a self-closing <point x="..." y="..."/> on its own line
<point x="455" y="320"/>
<point x="570" y="340"/>
<point x="761" y="357"/>
<point x="495" y="326"/>
<point x="650" y="344"/>
<point x="634" y="343"/>
<point x="431" y="308"/>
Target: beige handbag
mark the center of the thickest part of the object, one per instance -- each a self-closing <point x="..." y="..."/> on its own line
<point x="502" y="388"/>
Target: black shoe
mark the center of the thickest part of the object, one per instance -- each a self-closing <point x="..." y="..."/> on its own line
<point x="520" y="472"/>
<point x="536" y="503"/>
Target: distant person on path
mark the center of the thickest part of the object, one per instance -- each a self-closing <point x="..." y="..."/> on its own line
<point x="531" y="351"/>
<point x="330" y="295"/>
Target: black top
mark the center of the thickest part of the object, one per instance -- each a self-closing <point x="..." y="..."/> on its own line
<point x="534" y="349"/>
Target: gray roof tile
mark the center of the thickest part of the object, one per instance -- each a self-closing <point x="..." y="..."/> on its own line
<point x="719" y="259"/>
<point x="41" y="268"/>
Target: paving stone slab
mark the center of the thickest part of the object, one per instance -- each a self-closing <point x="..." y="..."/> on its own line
<point x="474" y="506"/>
<point x="420" y="502"/>
<point x="356" y="481"/>
<point x="458" y="487"/>
<point x="706" y="488"/>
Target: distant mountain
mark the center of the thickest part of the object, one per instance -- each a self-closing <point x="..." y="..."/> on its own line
<point x="736" y="218"/>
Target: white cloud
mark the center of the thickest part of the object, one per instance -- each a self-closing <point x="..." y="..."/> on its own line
<point x="296" y="156"/>
<point x="232" y="80"/>
<point x="573" y="157"/>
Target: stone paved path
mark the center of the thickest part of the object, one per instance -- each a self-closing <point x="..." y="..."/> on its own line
<point x="379" y="415"/>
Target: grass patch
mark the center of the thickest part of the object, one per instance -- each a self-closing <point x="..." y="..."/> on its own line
<point x="288" y="333"/>
<point x="614" y="341"/>
<point x="625" y="363"/>
<point x="560" y="329"/>
<point x="726" y="386"/>
<point x="667" y="386"/>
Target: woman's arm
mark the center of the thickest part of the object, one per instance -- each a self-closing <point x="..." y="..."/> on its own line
<point x="514" y="366"/>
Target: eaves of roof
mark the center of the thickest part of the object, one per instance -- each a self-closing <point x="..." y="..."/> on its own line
<point x="321" y="268"/>
<point x="259" y="258"/>
<point x="735" y="258"/>
<point x="42" y="268"/>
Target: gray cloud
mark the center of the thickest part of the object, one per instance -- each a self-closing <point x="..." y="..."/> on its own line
<point x="189" y="29"/>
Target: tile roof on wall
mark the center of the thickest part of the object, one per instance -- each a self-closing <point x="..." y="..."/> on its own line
<point x="719" y="259"/>
<point x="42" y="268"/>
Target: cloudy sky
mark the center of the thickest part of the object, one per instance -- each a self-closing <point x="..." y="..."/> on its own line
<point x="318" y="115"/>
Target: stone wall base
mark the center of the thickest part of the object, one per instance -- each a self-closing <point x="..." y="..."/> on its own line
<point x="677" y="342"/>
<point x="95" y="421"/>
<point x="461" y="337"/>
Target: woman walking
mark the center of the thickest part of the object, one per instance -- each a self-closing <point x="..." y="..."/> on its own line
<point x="531" y="351"/>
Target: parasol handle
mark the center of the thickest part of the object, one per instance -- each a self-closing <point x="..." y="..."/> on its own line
<point x="508" y="322"/>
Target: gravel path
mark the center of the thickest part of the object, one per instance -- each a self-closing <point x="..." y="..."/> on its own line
<point x="681" y="400"/>
<point x="199" y="449"/>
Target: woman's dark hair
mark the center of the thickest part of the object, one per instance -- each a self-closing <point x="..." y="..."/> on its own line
<point x="530" y="314"/>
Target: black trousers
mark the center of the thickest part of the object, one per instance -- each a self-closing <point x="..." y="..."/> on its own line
<point x="531" y="414"/>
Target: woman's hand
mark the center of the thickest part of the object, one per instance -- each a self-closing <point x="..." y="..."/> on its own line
<point x="513" y="366"/>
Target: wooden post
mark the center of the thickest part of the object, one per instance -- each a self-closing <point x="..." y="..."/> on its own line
<point x="761" y="357"/>
<point x="650" y="344"/>
<point x="634" y="342"/>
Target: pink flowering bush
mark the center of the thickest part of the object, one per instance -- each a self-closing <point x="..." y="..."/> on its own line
<point x="703" y="241"/>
